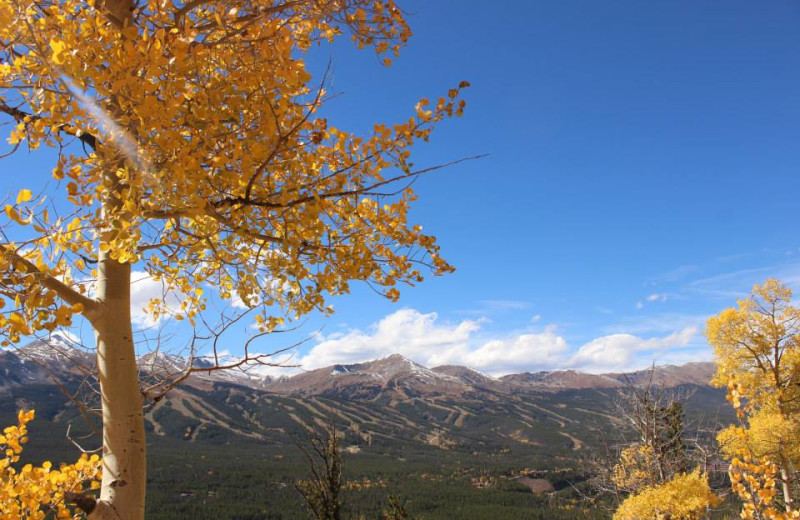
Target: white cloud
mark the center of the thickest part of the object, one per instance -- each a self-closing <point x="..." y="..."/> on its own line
<point x="538" y="351"/>
<point x="655" y="297"/>
<point x="407" y="332"/>
<point x="273" y="365"/>
<point x="143" y="289"/>
<point x="422" y="338"/>
<point x="622" y="351"/>
<point x="69" y="335"/>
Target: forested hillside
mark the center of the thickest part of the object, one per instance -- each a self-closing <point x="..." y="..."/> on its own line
<point x="225" y="450"/>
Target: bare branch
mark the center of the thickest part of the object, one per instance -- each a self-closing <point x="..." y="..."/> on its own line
<point x="67" y="293"/>
<point x="23" y="117"/>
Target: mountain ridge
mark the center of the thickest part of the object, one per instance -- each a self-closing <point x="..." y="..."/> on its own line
<point x="391" y="403"/>
<point x="61" y="356"/>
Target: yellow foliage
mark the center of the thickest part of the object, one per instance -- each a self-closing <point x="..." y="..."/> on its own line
<point x="33" y="493"/>
<point x="192" y="146"/>
<point x="757" y="351"/>
<point x="636" y="468"/>
<point x="24" y="196"/>
<point x="685" y="497"/>
<point x="207" y="161"/>
<point x="766" y="433"/>
<point x="756" y="482"/>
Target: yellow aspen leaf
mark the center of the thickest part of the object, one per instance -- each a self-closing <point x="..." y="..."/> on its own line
<point x="18" y="323"/>
<point x="58" y="47"/>
<point x="14" y="215"/>
<point x="27" y="493"/>
<point x="24" y="196"/>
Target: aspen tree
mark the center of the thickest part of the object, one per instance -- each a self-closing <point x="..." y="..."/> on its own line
<point x="37" y="492"/>
<point x="757" y="351"/>
<point x="188" y="144"/>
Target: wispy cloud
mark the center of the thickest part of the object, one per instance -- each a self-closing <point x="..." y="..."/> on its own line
<point x="738" y="284"/>
<point x="675" y="275"/>
<point x="654" y="324"/>
<point x="489" y="307"/>
<point x="731" y="285"/>
<point x="505" y="305"/>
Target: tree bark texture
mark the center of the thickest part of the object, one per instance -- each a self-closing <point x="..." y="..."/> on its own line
<point x="124" y="454"/>
<point x="120" y="12"/>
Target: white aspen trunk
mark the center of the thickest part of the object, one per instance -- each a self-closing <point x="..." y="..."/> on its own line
<point x="120" y="12"/>
<point x="124" y="457"/>
<point x="785" y="467"/>
<point x="786" y="485"/>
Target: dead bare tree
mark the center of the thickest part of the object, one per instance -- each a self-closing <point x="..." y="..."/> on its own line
<point x="653" y="441"/>
<point x="395" y="510"/>
<point x="322" y="490"/>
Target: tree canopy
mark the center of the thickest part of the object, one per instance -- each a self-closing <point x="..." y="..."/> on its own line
<point x="757" y="351"/>
<point x="206" y="162"/>
<point x="37" y="492"/>
<point x="188" y="141"/>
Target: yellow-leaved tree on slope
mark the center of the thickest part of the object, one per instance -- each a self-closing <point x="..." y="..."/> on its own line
<point x="686" y="496"/>
<point x="757" y="351"/>
<point x="188" y="143"/>
<point x="654" y="476"/>
<point x="34" y="493"/>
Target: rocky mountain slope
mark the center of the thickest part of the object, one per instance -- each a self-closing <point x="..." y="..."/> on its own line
<point x="386" y="402"/>
<point x="59" y="357"/>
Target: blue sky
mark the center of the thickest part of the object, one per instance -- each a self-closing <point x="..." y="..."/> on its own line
<point x="643" y="174"/>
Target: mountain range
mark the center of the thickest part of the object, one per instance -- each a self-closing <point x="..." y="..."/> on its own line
<point x="388" y="401"/>
<point x="59" y="357"/>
